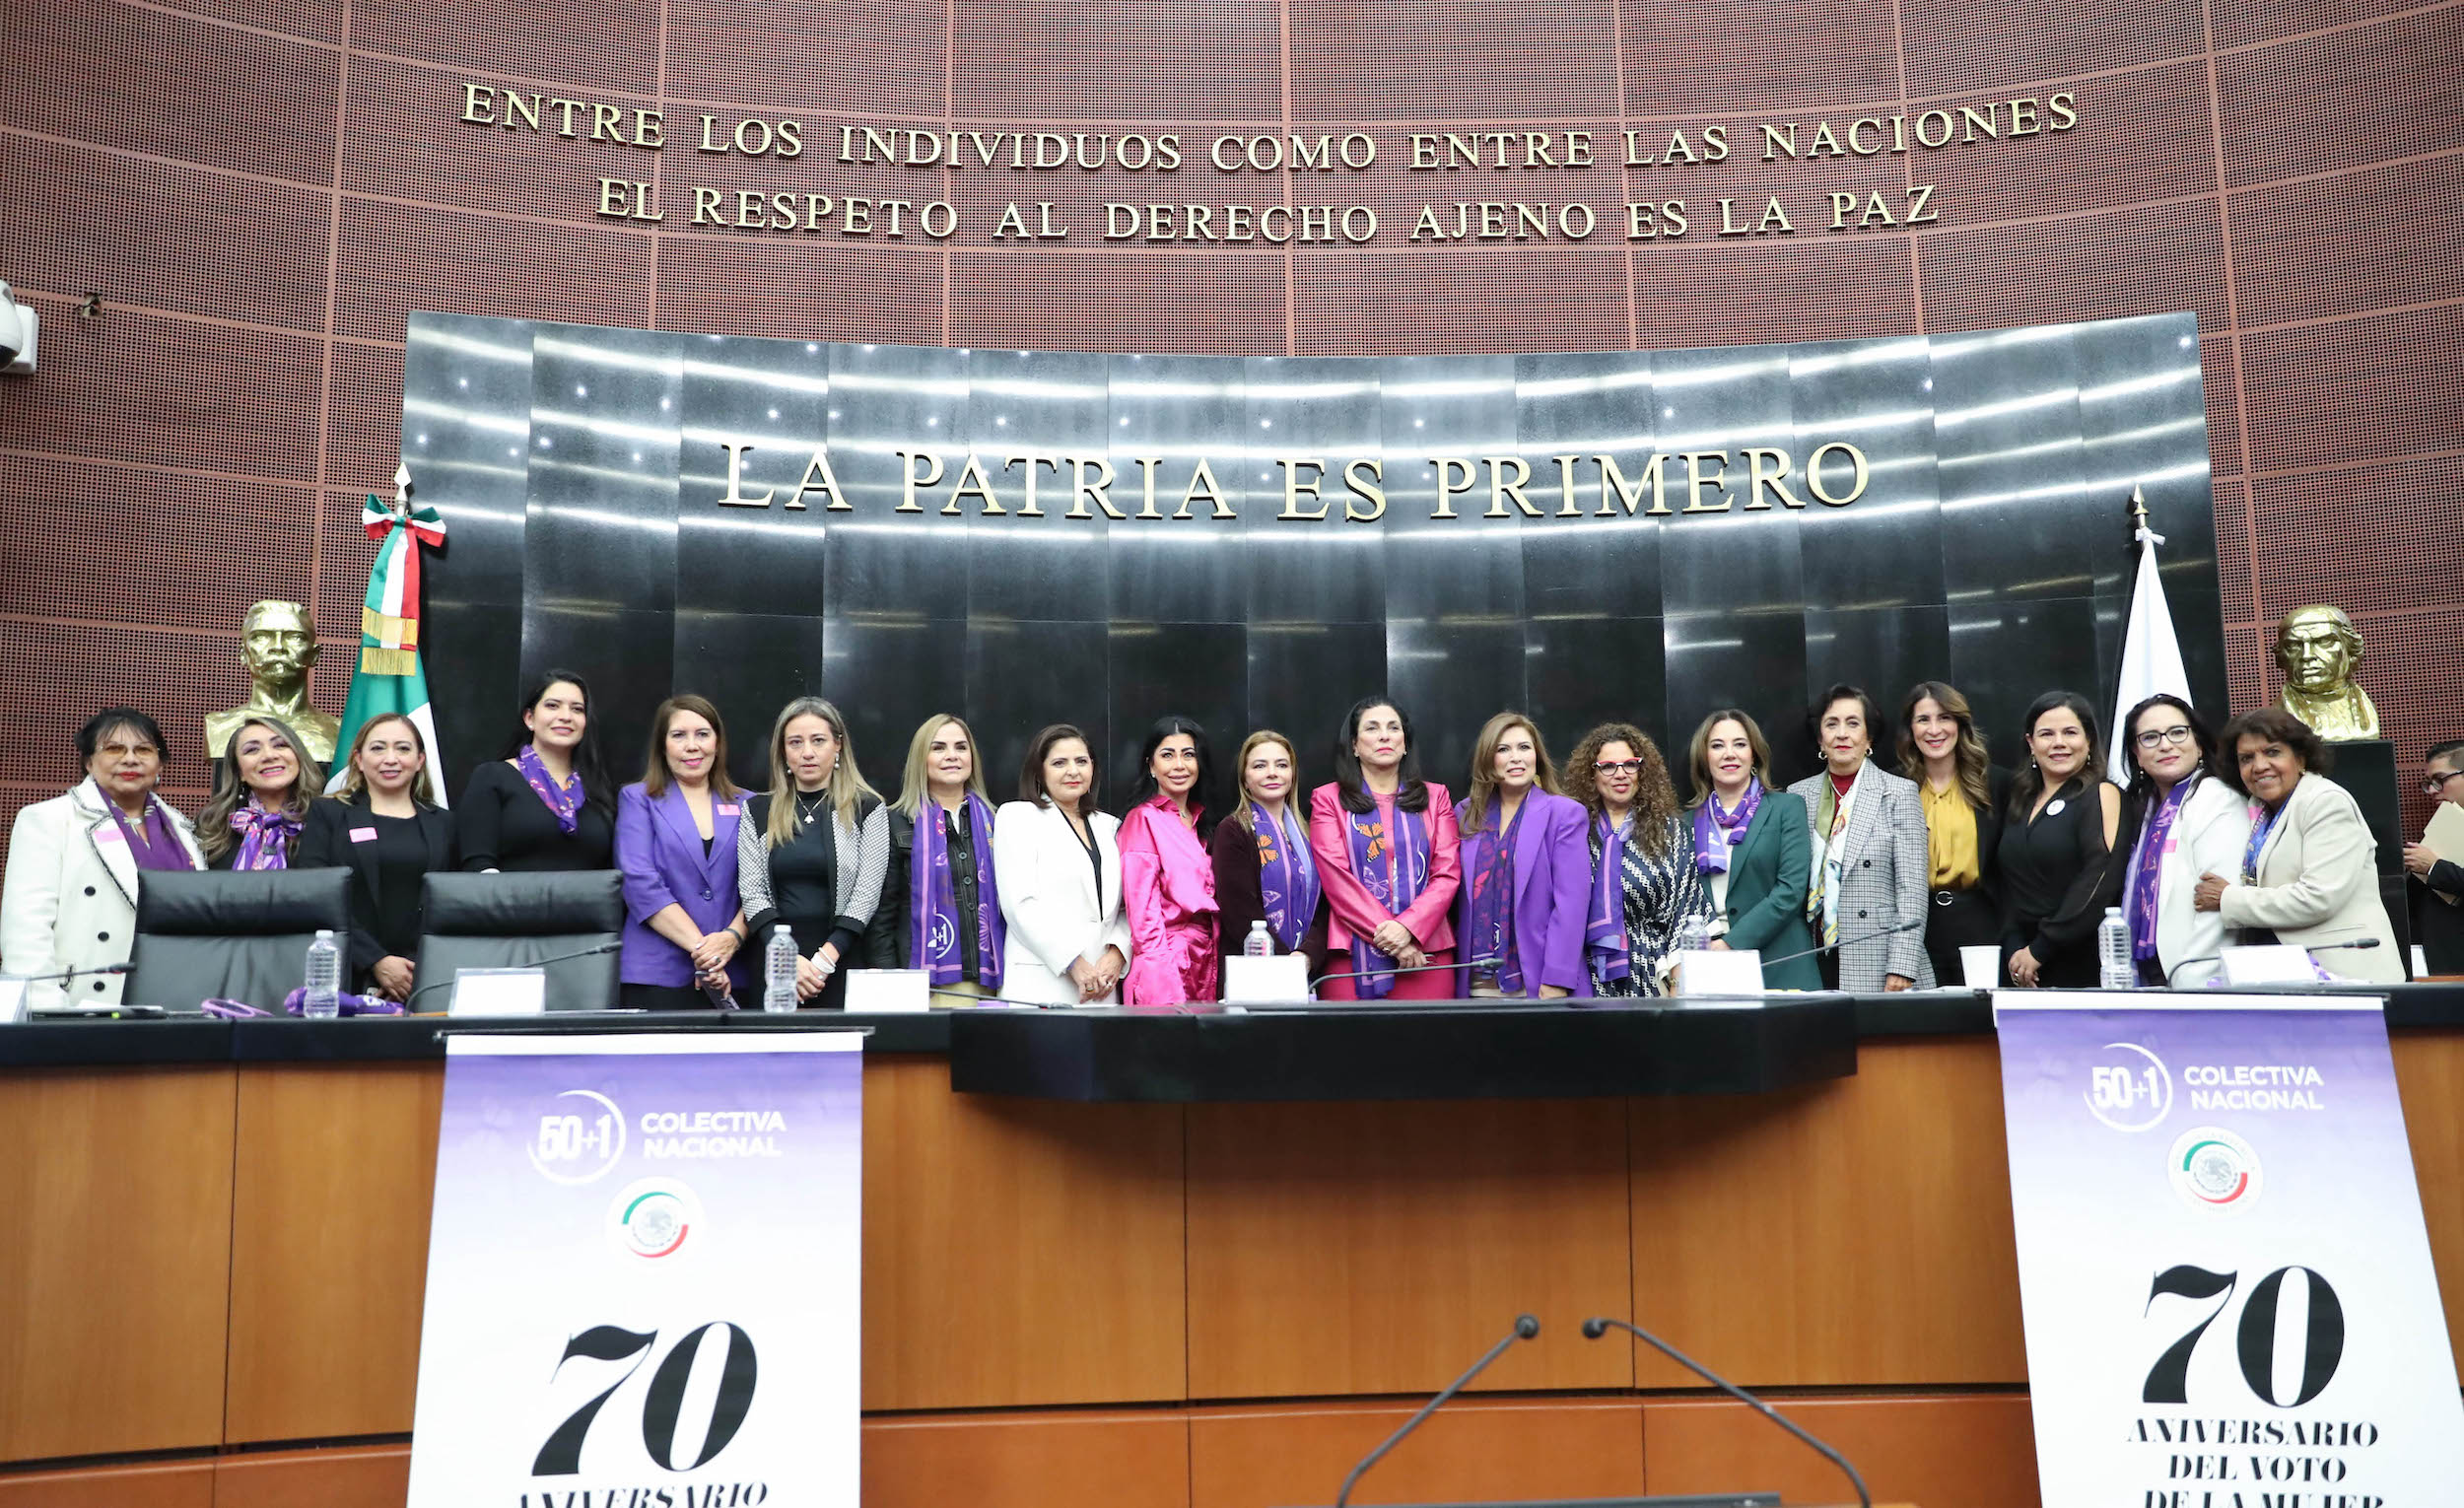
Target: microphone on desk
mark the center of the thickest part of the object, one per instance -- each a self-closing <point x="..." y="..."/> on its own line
<point x="1904" y="927"/>
<point x="1598" y="1326"/>
<point x="69" y="973"/>
<point x="1477" y="963"/>
<point x="2324" y="947"/>
<point x="1524" y="1328"/>
<point x="536" y="963"/>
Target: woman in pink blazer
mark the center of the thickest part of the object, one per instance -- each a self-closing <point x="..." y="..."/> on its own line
<point x="1166" y="876"/>
<point x="1386" y="848"/>
<point x="1525" y="906"/>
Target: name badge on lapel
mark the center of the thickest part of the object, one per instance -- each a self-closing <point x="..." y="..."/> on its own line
<point x="363" y="835"/>
<point x="726" y="808"/>
<point x="109" y="832"/>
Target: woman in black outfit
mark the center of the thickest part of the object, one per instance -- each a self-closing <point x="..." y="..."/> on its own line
<point x="547" y="803"/>
<point x="386" y="829"/>
<point x="2056" y="854"/>
<point x="812" y="850"/>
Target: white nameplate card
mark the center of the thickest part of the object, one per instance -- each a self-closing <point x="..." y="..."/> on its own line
<point x="1736" y="970"/>
<point x="2279" y="963"/>
<point x="499" y="992"/>
<point x="889" y="991"/>
<point x="1279" y="978"/>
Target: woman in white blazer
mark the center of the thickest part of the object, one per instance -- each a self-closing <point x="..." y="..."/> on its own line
<point x="2185" y="822"/>
<point x="71" y="901"/>
<point x="2309" y="874"/>
<point x="1057" y="863"/>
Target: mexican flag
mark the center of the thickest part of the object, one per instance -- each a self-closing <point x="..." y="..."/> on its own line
<point x="388" y="678"/>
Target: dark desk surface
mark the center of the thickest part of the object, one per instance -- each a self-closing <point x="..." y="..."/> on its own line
<point x="1461" y="1048"/>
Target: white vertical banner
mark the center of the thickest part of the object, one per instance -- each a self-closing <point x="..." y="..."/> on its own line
<point x="2151" y="657"/>
<point x="2224" y="1272"/>
<point x="643" y="1272"/>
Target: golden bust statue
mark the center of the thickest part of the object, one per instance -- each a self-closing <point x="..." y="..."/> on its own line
<point x="278" y="645"/>
<point x="2317" y="649"/>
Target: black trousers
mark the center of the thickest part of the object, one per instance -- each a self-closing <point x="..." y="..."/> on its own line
<point x="1956" y="920"/>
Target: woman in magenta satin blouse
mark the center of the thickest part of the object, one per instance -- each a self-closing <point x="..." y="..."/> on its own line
<point x="1386" y="848"/>
<point x="1167" y="878"/>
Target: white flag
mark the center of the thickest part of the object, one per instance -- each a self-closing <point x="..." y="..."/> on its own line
<point x="2152" y="658"/>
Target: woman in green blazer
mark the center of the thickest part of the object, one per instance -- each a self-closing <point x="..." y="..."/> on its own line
<point x="1755" y="852"/>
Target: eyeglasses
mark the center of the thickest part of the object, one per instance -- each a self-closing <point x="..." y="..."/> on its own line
<point x="1617" y="767"/>
<point x="2432" y="784"/>
<point x="2179" y="732"/>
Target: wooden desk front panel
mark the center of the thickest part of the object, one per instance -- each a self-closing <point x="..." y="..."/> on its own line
<point x="1856" y="1232"/>
<point x="117" y="1270"/>
<point x="2429" y="1078"/>
<point x="1017" y="1251"/>
<point x="1380" y="1247"/>
<point x="329" y="1247"/>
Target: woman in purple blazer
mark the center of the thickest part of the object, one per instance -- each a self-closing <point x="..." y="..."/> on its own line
<point x="1526" y="872"/>
<point x="676" y="844"/>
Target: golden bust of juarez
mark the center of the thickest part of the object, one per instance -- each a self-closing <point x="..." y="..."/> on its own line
<point x="2318" y="650"/>
<point x="278" y="645"/>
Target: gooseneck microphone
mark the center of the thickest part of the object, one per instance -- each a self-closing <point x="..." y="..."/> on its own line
<point x="1524" y="1328"/>
<point x="1887" y="931"/>
<point x="2323" y="947"/>
<point x="1477" y="963"/>
<point x="536" y="963"/>
<point x="1598" y="1326"/>
<point x="63" y="975"/>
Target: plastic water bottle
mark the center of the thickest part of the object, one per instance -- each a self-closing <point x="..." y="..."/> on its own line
<point x="1693" y="935"/>
<point x="324" y="978"/>
<point x="1260" y="944"/>
<point x="778" y="972"/>
<point x="2114" y="967"/>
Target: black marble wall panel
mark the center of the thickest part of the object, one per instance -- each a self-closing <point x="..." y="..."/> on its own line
<point x="466" y="439"/>
<point x="583" y="473"/>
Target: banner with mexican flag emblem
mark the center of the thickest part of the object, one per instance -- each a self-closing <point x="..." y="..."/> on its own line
<point x="388" y="678"/>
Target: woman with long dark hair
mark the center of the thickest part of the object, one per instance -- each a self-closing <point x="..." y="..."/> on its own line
<point x="1057" y="858"/>
<point x="263" y="786"/>
<point x="1167" y="878"/>
<point x="387" y="828"/>
<point x="2058" y="868"/>
<point x="1645" y="886"/>
<point x="1519" y="913"/>
<point x="2184" y="822"/>
<point x="677" y="843"/>
<point x="546" y="804"/>
<point x="1753" y="847"/>
<point x="1388" y="855"/>
<point x="1962" y="794"/>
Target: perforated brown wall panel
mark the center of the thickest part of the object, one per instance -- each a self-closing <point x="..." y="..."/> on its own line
<point x="261" y="189"/>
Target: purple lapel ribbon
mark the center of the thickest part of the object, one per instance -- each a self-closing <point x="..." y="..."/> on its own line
<point x="2148" y="872"/>
<point x="265" y="837"/>
<point x="1711" y="856"/>
<point x="1488" y="880"/>
<point x="1287" y="876"/>
<point x="1392" y="867"/>
<point x="932" y="899"/>
<point x="1604" y="931"/>
<point x="565" y="800"/>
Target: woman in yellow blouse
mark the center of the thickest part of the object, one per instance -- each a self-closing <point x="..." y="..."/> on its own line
<point x="1962" y="796"/>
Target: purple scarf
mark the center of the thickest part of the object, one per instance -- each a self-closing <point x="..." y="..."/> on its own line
<point x="265" y="837"/>
<point x="150" y="843"/>
<point x="932" y="899"/>
<point x="2147" y="870"/>
<point x="565" y="800"/>
<point x="1711" y="856"/>
<point x="2262" y="823"/>
<point x="1392" y="881"/>
<point x="1604" y="933"/>
<point x="1287" y="881"/>
<point x="1489" y="888"/>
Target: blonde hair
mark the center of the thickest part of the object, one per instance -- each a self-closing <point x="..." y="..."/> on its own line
<point x="846" y="785"/>
<point x="1484" y="766"/>
<point x="214" y="835"/>
<point x="1243" y="809"/>
<point x="1698" y="752"/>
<point x="355" y="782"/>
<point x="914" y="788"/>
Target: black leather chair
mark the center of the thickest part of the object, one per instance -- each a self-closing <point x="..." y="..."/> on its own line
<point x="515" y="921"/>
<point x="217" y="935"/>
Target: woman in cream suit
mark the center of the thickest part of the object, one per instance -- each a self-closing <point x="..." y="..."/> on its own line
<point x="2309" y="874"/>
<point x="1057" y="863"/>
<point x="2185" y="822"/>
<point x="71" y="901"/>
